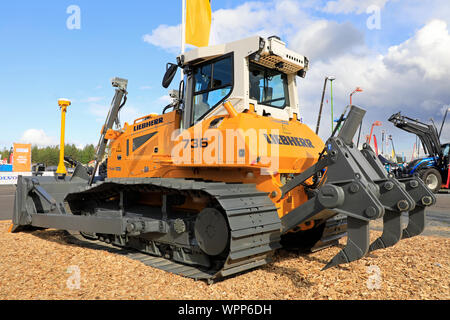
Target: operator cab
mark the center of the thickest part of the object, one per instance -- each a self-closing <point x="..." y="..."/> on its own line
<point x="254" y="71"/>
<point x="446" y="154"/>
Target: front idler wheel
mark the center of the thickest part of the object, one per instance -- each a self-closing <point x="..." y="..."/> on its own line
<point x="211" y="231"/>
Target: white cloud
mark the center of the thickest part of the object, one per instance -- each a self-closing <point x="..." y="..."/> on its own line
<point x="38" y="137"/>
<point x="316" y="38"/>
<point x="269" y="18"/>
<point x="408" y="79"/>
<point x="231" y="24"/>
<point x="352" y="6"/>
<point x="166" y="37"/>
<point x="283" y="18"/>
<point x="165" y="100"/>
<point x="427" y="52"/>
<point x="325" y="39"/>
<point x="145" y="87"/>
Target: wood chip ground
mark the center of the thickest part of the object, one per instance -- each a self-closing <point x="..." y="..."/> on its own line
<point x="42" y="265"/>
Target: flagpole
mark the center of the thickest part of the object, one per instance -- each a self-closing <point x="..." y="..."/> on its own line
<point x="183" y="32"/>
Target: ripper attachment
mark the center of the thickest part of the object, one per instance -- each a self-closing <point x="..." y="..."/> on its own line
<point x="356" y="184"/>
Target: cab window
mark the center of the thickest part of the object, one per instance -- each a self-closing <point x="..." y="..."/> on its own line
<point x="446" y="150"/>
<point x="268" y="86"/>
<point x="213" y="84"/>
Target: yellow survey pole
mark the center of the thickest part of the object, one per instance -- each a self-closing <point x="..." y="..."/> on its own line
<point x="63" y="104"/>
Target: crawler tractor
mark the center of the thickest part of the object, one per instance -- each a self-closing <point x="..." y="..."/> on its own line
<point x="227" y="174"/>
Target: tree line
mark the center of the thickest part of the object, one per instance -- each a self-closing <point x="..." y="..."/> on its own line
<point x="49" y="156"/>
<point x="5" y="154"/>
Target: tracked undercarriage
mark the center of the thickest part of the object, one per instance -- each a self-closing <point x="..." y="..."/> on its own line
<point x="239" y="228"/>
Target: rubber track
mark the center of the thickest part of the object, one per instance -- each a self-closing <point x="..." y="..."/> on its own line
<point x="252" y="217"/>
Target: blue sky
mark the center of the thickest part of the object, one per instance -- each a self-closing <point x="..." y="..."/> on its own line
<point x="41" y="60"/>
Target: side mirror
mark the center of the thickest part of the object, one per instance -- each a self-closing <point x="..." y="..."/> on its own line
<point x="171" y="70"/>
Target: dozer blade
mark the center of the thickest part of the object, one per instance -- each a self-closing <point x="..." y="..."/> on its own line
<point x="392" y="231"/>
<point x="357" y="243"/>
<point x="42" y="195"/>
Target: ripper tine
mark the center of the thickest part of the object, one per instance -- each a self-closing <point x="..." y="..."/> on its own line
<point x="424" y="198"/>
<point x="396" y="200"/>
<point x="416" y="223"/>
<point x="392" y="231"/>
<point x="357" y="243"/>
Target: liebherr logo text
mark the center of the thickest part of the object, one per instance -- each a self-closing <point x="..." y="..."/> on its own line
<point x="148" y="124"/>
<point x="288" y="141"/>
<point x="232" y="309"/>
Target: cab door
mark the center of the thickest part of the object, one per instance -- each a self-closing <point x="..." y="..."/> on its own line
<point x="208" y="85"/>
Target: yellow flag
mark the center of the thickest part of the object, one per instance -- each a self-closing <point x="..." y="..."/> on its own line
<point x="394" y="158"/>
<point x="198" y="22"/>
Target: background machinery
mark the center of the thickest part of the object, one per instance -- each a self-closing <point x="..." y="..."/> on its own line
<point x="434" y="168"/>
<point x="227" y="174"/>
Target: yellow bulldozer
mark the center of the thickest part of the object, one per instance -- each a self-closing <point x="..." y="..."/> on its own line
<point x="227" y="173"/>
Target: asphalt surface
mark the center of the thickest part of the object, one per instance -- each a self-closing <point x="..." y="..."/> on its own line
<point x="441" y="211"/>
<point x="438" y="216"/>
